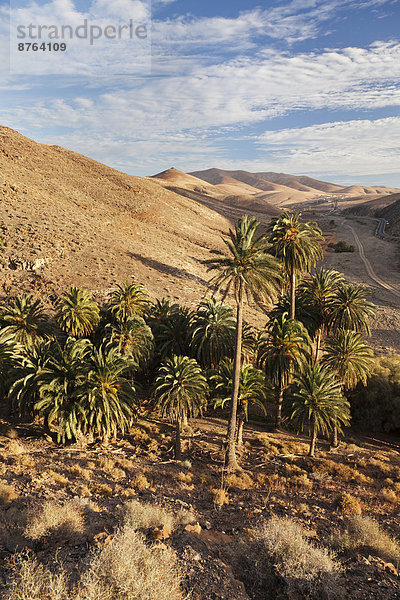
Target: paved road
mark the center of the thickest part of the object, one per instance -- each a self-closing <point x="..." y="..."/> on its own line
<point x="369" y="268"/>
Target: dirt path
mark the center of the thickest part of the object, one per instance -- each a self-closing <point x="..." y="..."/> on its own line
<point x="368" y="267"/>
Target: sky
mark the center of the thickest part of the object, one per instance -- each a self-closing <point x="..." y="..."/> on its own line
<point x="306" y="87"/>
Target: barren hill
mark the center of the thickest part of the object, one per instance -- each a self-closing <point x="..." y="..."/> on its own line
<point x="66" y="219"/>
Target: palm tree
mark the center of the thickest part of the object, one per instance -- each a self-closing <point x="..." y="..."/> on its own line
<point x="283" y="349"/>
<point x="77" y="313"/>
<point x="213" y="332"/>
<point x="129" y="299"/>
<point x="180" y="390"/>
<point x="350" y="358"/>
<point x="248" y="269"/>
<point x="108" y="399"/>
<point x="318" y="292"/>
<point x="350" y="310"/>
<point x="58" y="382"/>
<point x="318" y="402"/>
<point x="172" y="333"/>
<point x="297" y="245"/>
<point x="25" y="319"/>
<point x="251" y="390"/>
<point x="11" y="354"/>
<point x="133" y="338"/>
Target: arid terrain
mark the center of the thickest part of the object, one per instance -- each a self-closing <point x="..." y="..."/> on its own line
<point x="68" y="220"/>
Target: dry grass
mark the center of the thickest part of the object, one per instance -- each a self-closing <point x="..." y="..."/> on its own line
<point x="240" y="480"/>
<point x="67" y="519"/>
<point x="220" y="497"/>
<point x="128" y="569"/>
<point x="363" y="534"/>
<point x="300" y="481"/>
<point x="307" y="569"/>
<point x="206" y="480"/>
<point x="58" y="478"/>
<point x="139" y="515"/>
<point x="348" y="504"/>
<point x="125" y="569"/>
<point x="101" y="489"/>
<point x="81" y="472"/>
<point x="183" y="477"/>
<point x="7" y="493"/>
<point x="140" y="482"/>
<point x="388" y="495"/>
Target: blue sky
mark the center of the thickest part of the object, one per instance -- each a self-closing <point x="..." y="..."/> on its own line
<point x="302" y="86"/>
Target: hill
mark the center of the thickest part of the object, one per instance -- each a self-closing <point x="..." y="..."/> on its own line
<point x="66" y="219"/>
<point x="391" y="213"/>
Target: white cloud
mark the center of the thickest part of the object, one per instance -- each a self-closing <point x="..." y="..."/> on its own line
<point x="360" y="147"/>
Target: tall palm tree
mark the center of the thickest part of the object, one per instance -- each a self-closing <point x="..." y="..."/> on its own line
<point x="283" y="350"/>
<point x="180" y="390"/>
<point x="350" y="358"/>
<point x="77" y="313"/>
<point x="213" y="332"/>
<point x="318" y="292"/>
<point x="133" y="338"/>
<point x="297" y="245"/>
<point x="249" y="271"/>
<point x="350" y="309"/>
<point x="318" y="403"/>
<point x="129" y="299"/>
<point x="24" y="318"/>
<point x="251" y="390"/>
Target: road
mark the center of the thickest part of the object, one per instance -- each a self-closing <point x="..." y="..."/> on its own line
<point x="368" y="266"/>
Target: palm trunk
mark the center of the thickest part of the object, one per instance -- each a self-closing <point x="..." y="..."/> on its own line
<point x="317" y="346"/>
<point x="185" y="421"/>
<point x="178" y="445"/>
<point x="313" y="440"/>
<point x="335" y="442"/>
<point x="293" y="294"/>
<point x="279" y="413"/>
<point x="230" y="454"/>
<point x="239" y="431"/>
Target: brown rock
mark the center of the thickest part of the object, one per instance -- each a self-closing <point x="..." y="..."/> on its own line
<point x="391" y="569"/>
<point x="196" y="528"/>
<point x="160" y="533"/>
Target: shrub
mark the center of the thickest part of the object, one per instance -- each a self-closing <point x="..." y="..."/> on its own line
<point x="348" y="504"/>
<point x="220" y="497"/>
<point x="282" y="545"/>
<point x="128" y="569"/>
<point x="7" y="493"/>
<point x="32" y="581"/>
<point x="343" y="246"/>
<point x="68" y="519"/>
<point x="139" y="515"/>
<point x="364" y="534"/>
<point x="101" y="489"/>
<point x="240" y="480"/>
<point x="140" y="482"/>
<point x="388" y="495"/>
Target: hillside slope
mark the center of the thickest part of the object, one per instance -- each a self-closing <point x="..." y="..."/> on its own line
<point x="80" y="222"/>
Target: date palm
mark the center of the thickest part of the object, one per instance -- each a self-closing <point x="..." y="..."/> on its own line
<point x="350" y="309"/>
<point x="129" y="299"/>
<point x="252" y="390"/>
<point x="318" y="291"/>
<point x="350" y="358"/>
<point x="24" y="319"/>
<point x="77" y="313"/>
<point x="248" y="270"/>
<point x="298" y="245"/>
<point x="133" y="338"/>
<point x="172" y="334"/>
<point x="180" y="391"/>
<point x="283" y="350"/>
<point x="318" y="403"/>
<point x="213" y="332"/>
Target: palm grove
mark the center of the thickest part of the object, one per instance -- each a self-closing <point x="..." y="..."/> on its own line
<point x="80" y="370"/>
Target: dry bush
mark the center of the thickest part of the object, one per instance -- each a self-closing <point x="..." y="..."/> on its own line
<point x="220" y="497"/>
<point x="282" y="545"/>
<point x="125" y="463"/>
<point x="7" y="493"/>
<point x="140" y="515"/>
<point x="15" y="448"/>
<point x="83" y="491"/>
<point x="139" y="435"/>
<point x="273" y="481"/>
<point x="58" y="478"/>
<point x="108" y="465"/>
<point x="380" y="468"/>
<point x="300" y="481"/>
<point x="363" y="534"/>
<point x="240" y="480"/>
<point x="67" y="519"/>
<point x="140" y="482"/>
<point x="32" y="581"/>
<point x="206" y="480"/>
<point x="101" y="489"/>
<point x="388" y="495"/>
<point x="81" y="472"/>
<point x="183" y="477"/>
<point x="348" y="504"/>
<point x="128" y="569"/>
<point x="266" y="442"/>
<point x="125" y="492"/>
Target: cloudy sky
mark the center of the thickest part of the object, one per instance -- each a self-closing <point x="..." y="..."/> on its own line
<point x="302" y="86"/>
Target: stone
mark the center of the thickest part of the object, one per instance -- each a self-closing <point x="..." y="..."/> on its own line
<point x="160" y="533"/>
<point x="196" y="528"/>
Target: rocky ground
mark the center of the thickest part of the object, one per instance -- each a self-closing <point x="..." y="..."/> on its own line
<point x="213" y="541"/>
